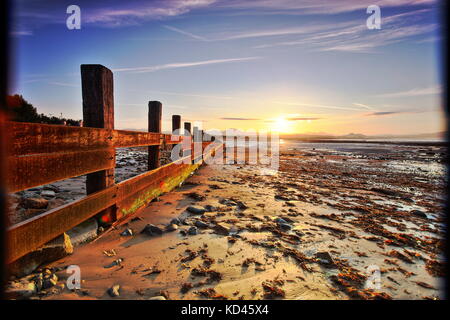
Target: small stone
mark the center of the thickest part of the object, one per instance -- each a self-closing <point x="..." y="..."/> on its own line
<point x="280" y="220"/>
<point x="192" y="231"/>
<point x="419" y="213"/>
<point x="127" y="232"/>
<point x="114" y="291"/>
<point x="210" y="208"/>
<point x="172" y="227"/>
<point x="158" y="298"/>
<point x="114" y="263"/>
<point x="48" y="194"/>
<point x="175" y="221"/>
<point x="50" y="281"/>
<point x="201" y="224"/>
<point x="196" y="209"/>
<point x="324" y="257"/>
<point x="34" y="203"/>
<point x="221" y="228"/>
<point x="151" y="230"/>
<point x="284" y="226"/>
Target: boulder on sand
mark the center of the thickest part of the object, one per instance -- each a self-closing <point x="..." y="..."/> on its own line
<point x="51" y="251"/>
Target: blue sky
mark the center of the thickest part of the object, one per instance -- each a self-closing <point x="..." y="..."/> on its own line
<point x="295" y="66"/>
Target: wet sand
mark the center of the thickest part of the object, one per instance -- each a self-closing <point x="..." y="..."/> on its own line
<point x="341" y="212"/>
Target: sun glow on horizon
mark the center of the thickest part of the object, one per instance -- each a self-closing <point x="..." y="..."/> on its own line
<point x="281" y="125"/>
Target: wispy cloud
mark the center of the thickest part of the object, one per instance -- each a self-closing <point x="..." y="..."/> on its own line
<point x="355" y="37"/>
<point x="363" y="106"/>
<point x="186" y="33"/>
<point x="182" y="65"/>
<point x="302" y="119"/>
<point x="320" y="106"/>
<point x="383" y="113"/>
<point x="433" y="90"/>
<point x="305" y="7"/>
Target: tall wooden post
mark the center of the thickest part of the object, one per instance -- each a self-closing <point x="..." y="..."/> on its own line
<point x="98" y="112"/>
<point x="154" y="125"/>
<point x="176" y="122"/>
<point x="187" y="147"/>
<point x="187" y="127"/>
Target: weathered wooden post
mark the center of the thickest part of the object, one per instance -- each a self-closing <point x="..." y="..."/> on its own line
<point x="98" y="112"/>
<point x="154" y="125"/>
<point x="187" y="146"/>
<point x="176" y="122"/>
<point x="187" y="127"/>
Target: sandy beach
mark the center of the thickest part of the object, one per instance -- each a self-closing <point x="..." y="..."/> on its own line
<point x="315" y="229"/>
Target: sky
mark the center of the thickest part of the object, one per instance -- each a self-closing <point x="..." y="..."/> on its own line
<point x="295" y="66"/>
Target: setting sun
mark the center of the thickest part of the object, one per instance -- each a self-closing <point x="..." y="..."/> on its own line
<point x="282" y="125"/>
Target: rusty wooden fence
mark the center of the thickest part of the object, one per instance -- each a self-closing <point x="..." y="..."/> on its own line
<point x="40" y="154"/>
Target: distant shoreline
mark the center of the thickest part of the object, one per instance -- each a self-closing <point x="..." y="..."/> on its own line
<point x="399" y="142"/>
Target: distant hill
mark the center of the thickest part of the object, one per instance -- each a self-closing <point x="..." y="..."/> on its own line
<point x="359" y="136"/>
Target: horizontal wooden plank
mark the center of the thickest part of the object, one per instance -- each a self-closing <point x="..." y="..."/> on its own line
<point x="31" y="234"/>
<point x="129" y="195"/>
<point x="34" y="138"/>
<point x="172" y="139"/>
<point x="34" y="170"/>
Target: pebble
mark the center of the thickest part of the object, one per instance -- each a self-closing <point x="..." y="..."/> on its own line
<point x="50" y="281"/>
<point x="127" y="232"/>
<point x="34" y="203"/>
<point x="48" y="194"/>
<point x="157" y="298"/>
<point x="201" y="224"/>
<point x="196" y="209"/>
<point x="175" y="221"/>
<point x="151" y="229"/>
<point x="172" y="227"/>
<point x="419" y="213"/>
<point x="114" y="290"/>
<point x="192" y="231"/>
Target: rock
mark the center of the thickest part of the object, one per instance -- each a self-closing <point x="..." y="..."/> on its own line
<point x="419" y="213"/>
<point x="201" y="224"/>
<point x="279" y="220"/>
<point x="324" y="257"/>
<point x="21" y="289"/>
<point x="50" y="281"/>
<point x="210" y="208"/>
<point x="241" y="205"/>
<point x="222" y="229"/>
<point x="33" y="203"/>
<point x="227" y="202"/>
<point x="291" y="203"/>
<point x="192" y="231"/>
<point x="151" y="230"/>
<point x="51" y="187"/>
<point x="84" y="232"/>
<point x="51" y="251"/>
<point x="172" y="227"/>
<point x="114" y="263"/>
<point x="175" y="221"/>
<point x="114" y="291"/>
<point x="196" y="209"/>
<point x="127" y="232"/>
<point x="48" y="194"/>
<point x="158" y="298"/>
<point x="285" y="226"/>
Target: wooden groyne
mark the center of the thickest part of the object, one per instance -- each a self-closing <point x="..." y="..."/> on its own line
<point x="40" y="154"/>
